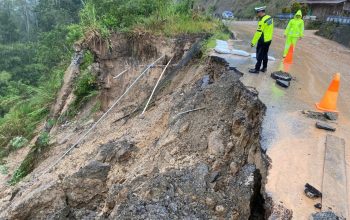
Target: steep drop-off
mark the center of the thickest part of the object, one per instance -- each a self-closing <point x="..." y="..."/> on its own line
<point x="204" y="164"/>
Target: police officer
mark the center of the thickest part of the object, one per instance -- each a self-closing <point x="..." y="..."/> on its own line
<point x="262" y="39"/>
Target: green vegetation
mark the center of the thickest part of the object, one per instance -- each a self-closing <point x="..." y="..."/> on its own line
<point x="3" y="169"/>
<point x="36" y="39"/>
<point x="18" y="142"/>
<point x="337" y="32"/>
<point x="211" y="42"/>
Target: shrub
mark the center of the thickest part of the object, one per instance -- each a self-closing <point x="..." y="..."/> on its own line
<point x="43" y="140"/>
<point x="18" y="142"/>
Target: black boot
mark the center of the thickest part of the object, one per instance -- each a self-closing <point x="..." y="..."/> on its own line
<point x="254" y="71"/>
<point x="263" y="70"/>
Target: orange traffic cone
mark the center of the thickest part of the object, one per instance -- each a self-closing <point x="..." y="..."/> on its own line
<point x="289" y="57"/>
<point x="329" y="101"/>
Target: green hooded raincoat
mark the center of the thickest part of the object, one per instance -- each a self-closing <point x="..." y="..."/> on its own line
<point x="294" y="31"/>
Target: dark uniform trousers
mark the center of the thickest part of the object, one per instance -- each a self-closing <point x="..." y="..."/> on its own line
<point x="262" y="51"/>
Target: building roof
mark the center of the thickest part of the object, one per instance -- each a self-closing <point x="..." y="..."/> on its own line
<point x="322" y="1"/>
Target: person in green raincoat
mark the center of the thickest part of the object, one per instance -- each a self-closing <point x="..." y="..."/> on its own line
<point x="294" y="31"/>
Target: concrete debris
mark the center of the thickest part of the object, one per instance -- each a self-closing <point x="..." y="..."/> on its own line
<point x="325" y="216"/>
<point x="283" y="83"/>
<point x="281" y="75"/>
<point x="318" y="206"/>
<point x="324" y="126"/>
<point x="331" y="116"/>
<point x="315" y="115"/>
<point x="312" y="192"/>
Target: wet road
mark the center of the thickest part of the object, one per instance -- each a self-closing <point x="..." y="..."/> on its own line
<point x="294" y="145"/>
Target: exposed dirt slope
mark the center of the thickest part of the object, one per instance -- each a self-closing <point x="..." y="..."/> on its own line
<point x="205" y="164"/>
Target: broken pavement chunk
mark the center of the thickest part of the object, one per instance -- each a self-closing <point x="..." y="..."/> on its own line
<point x="281" y="75"/>
<point x="324" y="126"/>
<point x="325" y="215"/>
<point x="283" y="83"/>
<point x="312" y="192"/>
<point x="331" y="116"/>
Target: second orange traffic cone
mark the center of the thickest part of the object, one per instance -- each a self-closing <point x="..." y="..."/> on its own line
<point x="329" y="101"/>
<point x="289" y="57"/>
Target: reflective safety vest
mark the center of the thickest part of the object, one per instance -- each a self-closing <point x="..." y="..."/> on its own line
<point x="264" y="33"/>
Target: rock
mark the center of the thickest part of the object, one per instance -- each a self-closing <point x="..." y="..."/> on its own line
<point x="200" y="173"/>
<point x="312" y="192"/>
<point x="281" y="76"/>
<point x="94" y="170"/>
<point x="324" y="126"/>
<point x="214" y="176"/>
<point x="331" y="116"/>
<point x="279" y="212"/>
<point x="283" y="83"/>
<point x="220" y="209"/>
<point x="234" y="168"/>
<point x="205" y="81"/>
<point x="210" y="202"/>
<point x="113" y="152"/>
<point x="215" y="144"/>
<point x="87" y="187"/>
<point x="46" y="202"/>
<point x="325" y="216"/>
<point x="184" y="128"/>
<point x="318" y="206"/>
<point x="235" y="215"/>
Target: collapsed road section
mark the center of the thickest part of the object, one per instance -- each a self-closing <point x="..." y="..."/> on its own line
<point x="195" y="153"/>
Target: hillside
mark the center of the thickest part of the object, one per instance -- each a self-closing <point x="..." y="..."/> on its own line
<point x="243" y="8"/>
<point x="94" y="148"/>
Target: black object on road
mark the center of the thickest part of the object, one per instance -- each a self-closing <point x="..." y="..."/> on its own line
<point x="318" y="206"/>
<point x="283" y="83"/>
<point x="281" y="75"/>
<point x="312" y="192"/>
<point x="331" y="116"/>
<point x="324" y="126"/>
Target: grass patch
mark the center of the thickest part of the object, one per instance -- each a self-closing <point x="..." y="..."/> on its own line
<point x="180" y="24"/>
<point x="221" y="34"/>
<point x="28" y="164"/>
<point x="3" y="169"/>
